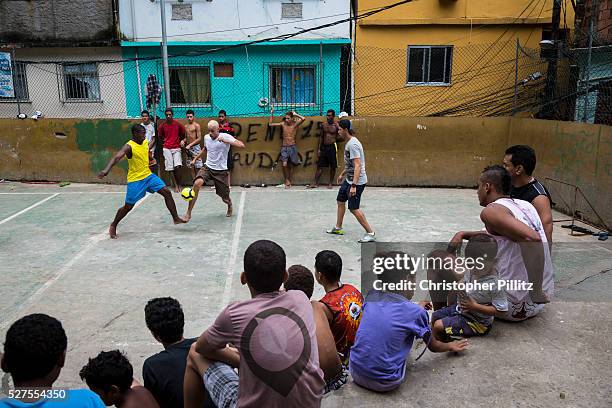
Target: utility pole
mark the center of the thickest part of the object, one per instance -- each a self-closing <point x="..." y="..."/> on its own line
<point x="551" y="75"/>
<point x="164" y="49"/>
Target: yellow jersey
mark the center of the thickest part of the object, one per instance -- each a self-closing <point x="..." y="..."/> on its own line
<point x="138" y="165"/>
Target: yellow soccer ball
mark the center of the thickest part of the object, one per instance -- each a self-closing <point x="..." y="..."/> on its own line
<point x="187" y="194"/>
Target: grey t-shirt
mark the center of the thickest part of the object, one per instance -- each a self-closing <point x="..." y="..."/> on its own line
<point x="495" y="297"/>
<point x="353" y="150"/>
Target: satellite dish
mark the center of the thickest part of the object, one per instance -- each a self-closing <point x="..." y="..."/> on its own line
<point x="263" y="102"/>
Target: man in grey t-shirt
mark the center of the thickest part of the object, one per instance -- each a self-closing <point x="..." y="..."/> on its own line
<point x="353" y="179"/>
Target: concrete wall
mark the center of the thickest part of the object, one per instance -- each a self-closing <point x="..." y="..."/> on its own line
<point x="231" y="20"/>
<point x="44" y="81"/>
<point x="399" y="152"/>
<point x="44" y="22"/>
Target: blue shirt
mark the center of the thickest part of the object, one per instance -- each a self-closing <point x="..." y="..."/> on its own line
<point x="74" y="399"/>
<point x="389" y="324"/>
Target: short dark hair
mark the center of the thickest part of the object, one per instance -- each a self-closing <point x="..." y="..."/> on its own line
<point x="290" y="114"/>
<point x="164" y="317"/>
<point x="481" y="246"/>
<point x="300" y="278"/>
<point x="333" y="112"/>
<point x="33" y="347"/>
<point x="222" y="112"/>
<point x="145" y="111"/>
<point x="395" y="274"/>
<point x="265" y="264"/>
<point x="138" y="128"/>
<point x="329" y="264"/>
<point x="345" y="124"/>
<point x="169" y="109"/>
<point x="107" y="369"/>
<point x="523" y="155"/>
<point x="190" y="112"/>
<point x="498" y="177"/>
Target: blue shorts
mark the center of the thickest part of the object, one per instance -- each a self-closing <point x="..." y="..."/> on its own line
<point x="343" y="195"/>
<point x="138" y="189"/>
<point x="456" y="324"/>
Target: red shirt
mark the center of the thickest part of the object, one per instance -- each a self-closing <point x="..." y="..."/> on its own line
<point x="226" y="128"/>
<point x="171" y="133"/>
<point x="345" y="304"/>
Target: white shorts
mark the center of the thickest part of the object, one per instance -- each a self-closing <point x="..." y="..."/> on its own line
<point x="172" y="158"/>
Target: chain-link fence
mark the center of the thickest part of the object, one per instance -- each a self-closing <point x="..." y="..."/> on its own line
<point x="500" y="78"/>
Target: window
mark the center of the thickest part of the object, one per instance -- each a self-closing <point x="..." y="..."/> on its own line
<point x="190" y="85"/>
<point x="429" y="65"/>
<point x="20" y="83"/>
<point x="224" y="70"/>
<point x="181" y="12"/>
<point x="291" y="10"/>
<point x="81" y="81"/>
<point x="292" y="85"/>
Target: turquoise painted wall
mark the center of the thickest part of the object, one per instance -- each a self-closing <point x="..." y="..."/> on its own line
<point x="238" y="95"/>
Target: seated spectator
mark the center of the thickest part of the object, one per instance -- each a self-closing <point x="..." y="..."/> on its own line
<point x="34" y="355"/>
<point x="343" y="301"/>
<point x="473" y="315"/>
<point x="163" y="373"/>
<point x="389" y="324"/>
<point x="275" y="335"/>
<point x="335" y="374"/>
<point x="111" y="376"/>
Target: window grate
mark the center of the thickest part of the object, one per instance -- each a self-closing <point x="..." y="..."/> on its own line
<point x="80" y="82"/>
<point x="20" y="83"/>
<point x="429" y="65"/>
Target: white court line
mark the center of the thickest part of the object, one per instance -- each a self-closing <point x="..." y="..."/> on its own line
<point x="66" y="192"/>
<point x="91" y="242"/>
<point x="17" y="214"/>
<point x="233" y="252"/>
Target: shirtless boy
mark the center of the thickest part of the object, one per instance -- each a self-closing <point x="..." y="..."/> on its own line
<point x="192" y="143"/>
<point x="327" y="149"/>
<point x="289" y="154"/>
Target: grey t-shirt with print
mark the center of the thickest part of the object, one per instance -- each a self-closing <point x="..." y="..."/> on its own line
<point x="495" y="297"/>
<point x="354" y="150"/>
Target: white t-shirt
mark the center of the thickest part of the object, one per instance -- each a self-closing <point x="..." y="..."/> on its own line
<point x="216" y="151"/>
<point x="150" y="132"/>
<point x="510" y="264"/>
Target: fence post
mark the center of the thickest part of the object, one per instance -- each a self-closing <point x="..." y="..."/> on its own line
<point x="518" y="44"/>
<point x="17" y="97"/>
<point x="321" y="78"/>
<point x="587" y="72"/>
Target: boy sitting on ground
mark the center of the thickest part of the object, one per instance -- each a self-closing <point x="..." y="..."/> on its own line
<point x="275" y="335"/>
<point x="473" y="315"/>
<point x="111" y="376"/>
<point x="343" y="301"/>
<point x="389" y="324"/>
<point x="34" y="355"/>
<point x="163" y="373"/>
<point x="335" y="374"/>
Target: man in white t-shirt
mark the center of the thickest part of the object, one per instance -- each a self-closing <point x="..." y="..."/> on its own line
<point x="149" y="131"/>
<point x="216" y="146"/>
<point x="523" y="254"/>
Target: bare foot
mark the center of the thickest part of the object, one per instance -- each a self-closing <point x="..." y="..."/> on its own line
<point x="112" y="231"/>
<point x="287" y="185"/>
<point x="230" y="211"/>
<point x="329" y="186"/>
<point x="187" y="217"/>
<point x="176" y="190"/>
<point x="180" y="220"/>
<point x="312" y="186"/>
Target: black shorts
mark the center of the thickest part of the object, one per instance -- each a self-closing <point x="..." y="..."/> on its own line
<point x="328" y="156"/>
<point x="230" y="159"/>
<point x="343" y="195"/>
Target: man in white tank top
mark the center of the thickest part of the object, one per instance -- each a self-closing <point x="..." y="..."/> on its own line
<point x="521" y="240"/>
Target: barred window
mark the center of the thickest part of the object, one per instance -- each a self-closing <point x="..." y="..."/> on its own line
<point x="292" y="85"/>
<point x="20" y="83"/>
<point x="429" y="65"/>
<point x="190" y="85"/>
<point x="81" y="81"/>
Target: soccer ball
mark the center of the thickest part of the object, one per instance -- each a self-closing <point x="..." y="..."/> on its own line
<point x="187" y="194"/>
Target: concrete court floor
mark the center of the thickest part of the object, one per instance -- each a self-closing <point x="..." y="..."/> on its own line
<point x="56" y="258"/>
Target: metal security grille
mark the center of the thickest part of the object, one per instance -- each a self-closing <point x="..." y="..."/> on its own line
<point x="293" y="85"/>
<point x="20" y="83"/>
<point x="80" y="82"/>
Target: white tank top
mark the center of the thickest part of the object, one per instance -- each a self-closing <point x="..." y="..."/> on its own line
<point x="510" y="265"/>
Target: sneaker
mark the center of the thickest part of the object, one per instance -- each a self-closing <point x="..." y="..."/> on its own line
<point x="368" y="237"/>
<point x="335" y="231"/>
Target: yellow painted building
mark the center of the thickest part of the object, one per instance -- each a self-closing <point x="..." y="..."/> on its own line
<point x="451" y="57"/>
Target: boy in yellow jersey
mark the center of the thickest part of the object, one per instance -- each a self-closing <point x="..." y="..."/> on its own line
<point x="140" y="180"/>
